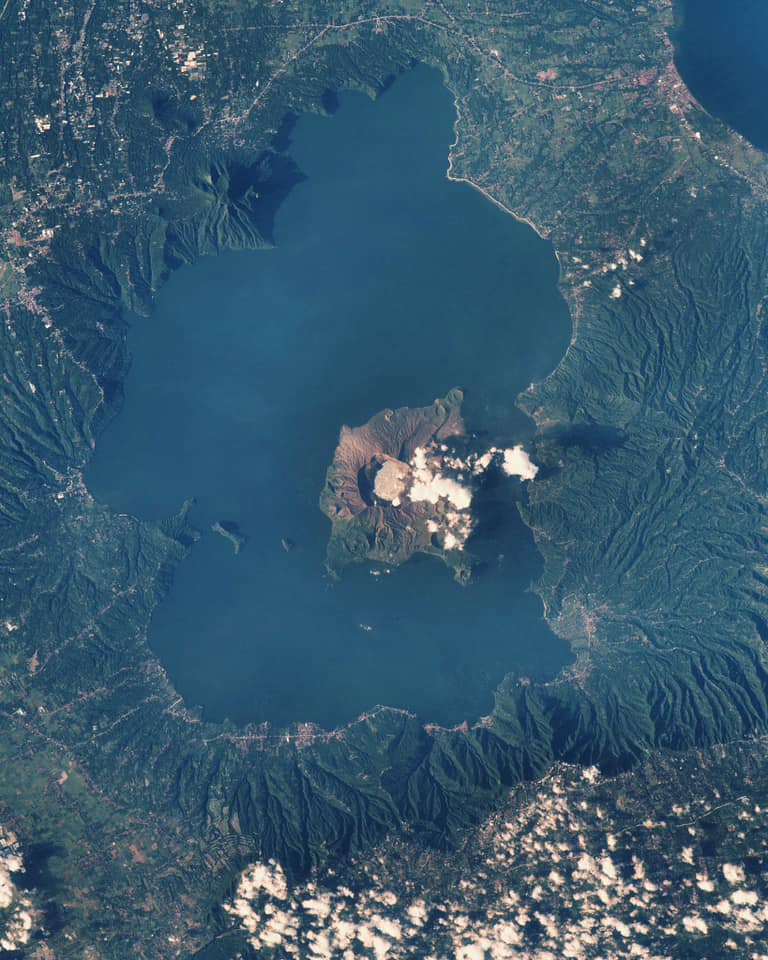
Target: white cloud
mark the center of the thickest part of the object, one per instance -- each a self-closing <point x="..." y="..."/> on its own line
<point x="436" y="475"/>
<point x="429" y="485"/>
<point x="744" y="897"/>
<point x="695" y="925"/>
<point x="438" y="487"/>
<point x="517" y="463"/>
<point x="482" y="915"/>
<point x="482" y="463"/>
<point x="733" y="873"/>
<point x="18" y="919"/>
<point x="450" y="542"/>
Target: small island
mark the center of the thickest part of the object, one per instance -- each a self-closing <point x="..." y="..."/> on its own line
<point x="403" y="483"/>
<point x="377" y="493"/>
<point x="230" y="531"/>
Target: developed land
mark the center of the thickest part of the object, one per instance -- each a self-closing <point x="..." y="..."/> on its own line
<point x="135" y="138"/>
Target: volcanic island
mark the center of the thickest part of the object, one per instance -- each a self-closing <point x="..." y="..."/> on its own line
<point x="403" y="483"/>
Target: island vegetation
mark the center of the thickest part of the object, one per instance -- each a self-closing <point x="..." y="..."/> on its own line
<point x="141" y="138"/>
<point x="230" y="531"/>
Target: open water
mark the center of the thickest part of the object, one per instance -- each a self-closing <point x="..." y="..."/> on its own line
<point x="388" y="286"/>
<point x="722" y="54"/>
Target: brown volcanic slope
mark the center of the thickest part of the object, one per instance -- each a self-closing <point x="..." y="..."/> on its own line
<point x="365" y="524"/>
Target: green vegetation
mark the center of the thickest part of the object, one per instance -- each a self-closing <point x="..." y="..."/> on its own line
<point x="141" y="138"/>
<point x="670" y="860"/>
<point x="379" y="520"/>
<point x="231" y="532"/>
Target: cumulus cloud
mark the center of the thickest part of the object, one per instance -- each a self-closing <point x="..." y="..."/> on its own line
<point x="544" y="883"/>
<point x="482" y="463"/>
<point x="733" y="873"/>
<point x="18" y="916"/>
<point x="450" y="541"/>
<point x="439" y="476"/>
<point x="695" y="925"/>
<point x="517" y="463"/>
<point x="430" y="485"/>
<point x="438" y="487"/>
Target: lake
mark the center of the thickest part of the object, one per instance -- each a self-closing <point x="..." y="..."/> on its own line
<point x="388" y="285"/>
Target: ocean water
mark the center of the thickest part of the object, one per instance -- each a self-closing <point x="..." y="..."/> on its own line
<point x="721" y="51"/>
<point x="388" y="285"/>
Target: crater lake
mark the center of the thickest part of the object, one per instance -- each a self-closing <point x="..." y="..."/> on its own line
<point x="388" y="285"/>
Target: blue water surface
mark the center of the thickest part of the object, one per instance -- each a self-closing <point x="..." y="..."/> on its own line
<point x="721" y="51"/>
<point x="388" y="286"/>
